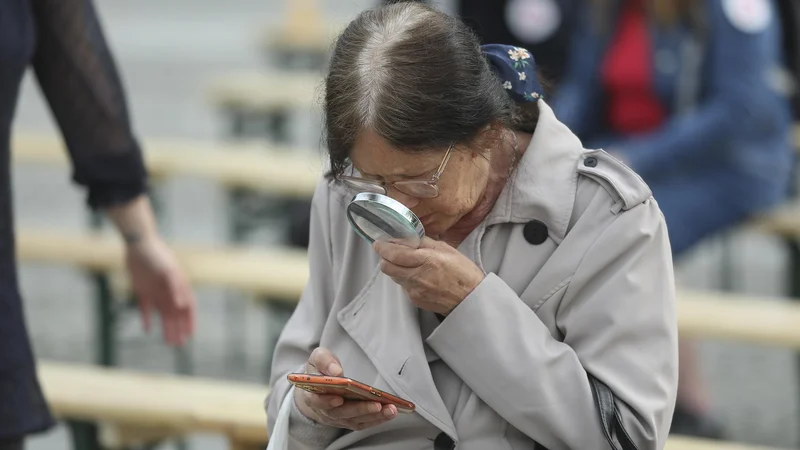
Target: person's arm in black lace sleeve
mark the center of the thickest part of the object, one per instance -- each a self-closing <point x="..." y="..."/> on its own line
<point x="79" y="79"/>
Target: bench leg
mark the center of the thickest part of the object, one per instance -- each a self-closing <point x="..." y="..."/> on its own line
<point x="236" y="331"/>
<point x="184" y="365"/>
<point x="84" y="436"/>
<point x="727" y="277"/>
<point x="294" y="59"/>
<point x="237" y="122"/>
<point x="105" y="317"/>
<point x="278" y="125"/>
<point x="793" y="248"/>
<point x="241" y="223"/>
<point x="243" y="124"/>
<point x="106" y="321"/>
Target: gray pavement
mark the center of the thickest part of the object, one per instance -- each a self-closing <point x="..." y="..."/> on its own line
<point x="167" y="51"/>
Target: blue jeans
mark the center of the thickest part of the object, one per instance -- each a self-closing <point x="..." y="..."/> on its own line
<point x="701" y="204"/>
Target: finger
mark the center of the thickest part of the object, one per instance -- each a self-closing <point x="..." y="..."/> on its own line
<point x="188" y="323"/>
<point x="323" y="402"/>
<point x="145" y="309"/>
<point x="182" y="326"/>
<point x="397" y="272"/>
<point x="325" y="362"/>
<point x="400" y="255"/>
<point x="429" y="243"/>
<point x="178" y="308"/>
<point x="185" y="298"/>
<point x="353" y="408"/>
<point x="388" y="413"/>
<point x="173" y="292"/>
<point x="188" y="312"/>
<point x="170" y="327"/>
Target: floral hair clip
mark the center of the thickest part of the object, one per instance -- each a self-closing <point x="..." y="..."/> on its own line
<point x="516" y="68"/>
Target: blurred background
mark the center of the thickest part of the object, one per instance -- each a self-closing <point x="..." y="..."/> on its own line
<point x="210" y="74"/>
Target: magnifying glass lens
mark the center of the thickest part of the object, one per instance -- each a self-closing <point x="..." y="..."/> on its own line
<point x="376" y="217"/>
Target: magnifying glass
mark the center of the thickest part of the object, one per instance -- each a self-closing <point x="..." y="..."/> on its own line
<point x="376" y="217"/>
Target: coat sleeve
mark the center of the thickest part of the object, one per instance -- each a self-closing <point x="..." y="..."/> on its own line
<point x="740" y="101"/>
<point x="302" y="333"/>
<point x="78" y="76"/>
<point x="618" y="323"/>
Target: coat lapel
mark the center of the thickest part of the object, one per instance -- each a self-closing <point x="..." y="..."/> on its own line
<point x="385" y="324"/>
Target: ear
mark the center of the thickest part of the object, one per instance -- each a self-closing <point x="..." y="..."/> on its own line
<point x="486" y="139"/>
<point x="492" y="132"/>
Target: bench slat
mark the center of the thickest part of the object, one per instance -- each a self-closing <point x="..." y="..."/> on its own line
<point x="282" y="274"/>
<point x="689" y="443"/>
<point x="276" y="273"/>
<point x="784" y="221"/>
<point x="155" y="400"/>
<point x="273" y="169"/>
<point x="740" y="317"/>
<point x="263" y="92"/>
<point x="190" y="404"/>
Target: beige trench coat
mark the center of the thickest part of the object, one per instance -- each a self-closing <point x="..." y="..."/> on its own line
<point x="596" y="298"/>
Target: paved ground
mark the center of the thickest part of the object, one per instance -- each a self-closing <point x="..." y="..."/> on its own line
<point x="167" y="51"/>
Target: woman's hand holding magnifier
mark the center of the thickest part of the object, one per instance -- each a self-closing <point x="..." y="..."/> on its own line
<point x="436" y="276"/>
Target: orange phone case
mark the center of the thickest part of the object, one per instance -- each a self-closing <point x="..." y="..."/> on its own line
<point x="347" y="388"/>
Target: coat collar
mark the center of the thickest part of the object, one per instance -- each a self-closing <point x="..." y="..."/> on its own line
<point x="544" y="185"/>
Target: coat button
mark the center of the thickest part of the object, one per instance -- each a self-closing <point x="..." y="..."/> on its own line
<point x="443" y="442"/>
<point x="590" y="161"/>
<point x="535" y="232"/>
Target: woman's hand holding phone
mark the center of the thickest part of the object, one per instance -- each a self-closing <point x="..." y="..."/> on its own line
<point x="333" y="410"/>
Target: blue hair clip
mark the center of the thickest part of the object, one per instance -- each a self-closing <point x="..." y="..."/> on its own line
<point x="517" y="70"/>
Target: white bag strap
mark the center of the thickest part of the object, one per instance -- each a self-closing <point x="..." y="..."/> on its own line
<point x="279" y="439"/>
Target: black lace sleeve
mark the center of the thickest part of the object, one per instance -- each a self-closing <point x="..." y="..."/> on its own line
<point x="79" y="79"/>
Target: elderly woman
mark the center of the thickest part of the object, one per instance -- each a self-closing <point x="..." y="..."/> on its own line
<point x="539" y="309"/>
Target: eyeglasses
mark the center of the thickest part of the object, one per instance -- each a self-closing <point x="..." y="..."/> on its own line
<point x="414" y="188"/>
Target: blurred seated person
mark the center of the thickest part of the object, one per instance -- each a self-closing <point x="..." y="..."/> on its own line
<point x="683" y="92"/>
<point x="544" y="27"/>
<point x="538" y="311"/>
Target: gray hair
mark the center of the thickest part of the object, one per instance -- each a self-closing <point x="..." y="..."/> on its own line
<point x="415" y="76"/>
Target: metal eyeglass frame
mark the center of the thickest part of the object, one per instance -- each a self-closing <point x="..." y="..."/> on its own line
<point x="381" y="187"/>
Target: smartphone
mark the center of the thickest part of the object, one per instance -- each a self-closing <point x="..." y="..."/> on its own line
<point x="347" y="388"/>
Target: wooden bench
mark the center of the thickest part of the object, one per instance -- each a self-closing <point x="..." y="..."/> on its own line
<point x="302" y="40"/>
<point x="744" y="318"/>
<point x="276" y="277"/>
<point x="280" y="275"/>
<point x="783" y="221"/>
<point x="265" y="101"/>
<point x="144" y="407"/>
<point x="272" y="169"/>
<point x="140" y="407"/>
<point x="689" y="443"/>
<point x="261" y="181"/>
